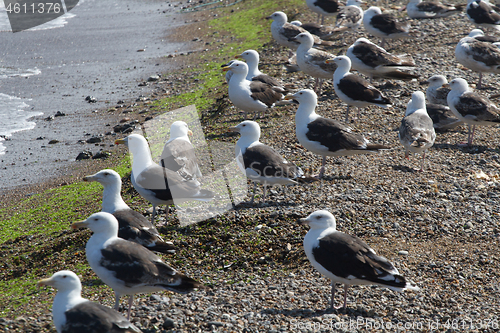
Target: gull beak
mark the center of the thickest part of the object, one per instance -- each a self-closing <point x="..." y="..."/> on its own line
<point x="293" y="39"/>
<point x="120" y="142"/>
<point x="79" y="224"/>
<point x="447" y="85"/>
<point x="44" y="282"/>
<point x="87" y="178"/>
<point x="237" y="56"/>
<point x="328" y="61"/>
<point x="288" y="97"/>
<point x="226" y="68"/>
<point x="268" y="17"/>
<point x="190" y="133"/>
<point x="303" y="221"/>
<point x="233" y="129"/>
<point x="423" y="83"/>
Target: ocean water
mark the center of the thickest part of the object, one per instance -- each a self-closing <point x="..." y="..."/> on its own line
<point x="15" y="115"/>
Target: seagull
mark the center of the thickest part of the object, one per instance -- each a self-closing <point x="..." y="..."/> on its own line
<point x="323" y="8"/>
<point x="471" y="107"/>
<point x="354" y="90"/>
<point x="261" y="163"/>
<point x="436" y="92"/>
<point x="254" y="74"/>
<point x="312" y="61"/>
<point x="384" y="25"/>
<point x="323" y="136"/>
<point x="478" y="56"/>
<point x="416" y="132"/>
<point x="159" y="186"/>
<point x="282" y="31"/>
<point x="253" y="96"/>
<point x="431" y="9"/>
<point x="178" y="152"/>
<point x="481" y="13"/>
<point x="127" y="267"/>
<point x="347" y="259"/>
<point x="351" y="16"/>
<point x="374" y="61"/>
<point x="133" y="226"/>
<point x="480" y="36"/>
<point x="72" y="313"/>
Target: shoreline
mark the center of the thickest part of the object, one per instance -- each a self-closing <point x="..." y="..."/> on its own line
<point x="110" y="76"/>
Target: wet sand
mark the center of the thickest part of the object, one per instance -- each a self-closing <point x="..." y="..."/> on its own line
<point x="105" y="51"/>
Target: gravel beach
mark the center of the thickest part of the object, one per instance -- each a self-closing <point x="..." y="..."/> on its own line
<point x="440" y="228"/>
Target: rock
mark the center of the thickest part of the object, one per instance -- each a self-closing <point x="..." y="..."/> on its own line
<point x="91" y="99"/>
<point x="101" y="154"/>
<point x="40" y="138"/>
<point x="59" y="114"/>
<point x="51" y="142"/>
<point x="168" y="323"/>
<point x="49" y="118"/>
<point x="403" y="253"/>
<point x="84" y="155"/>
<point x="153" y="78"/>
<point x="94" y="139"/>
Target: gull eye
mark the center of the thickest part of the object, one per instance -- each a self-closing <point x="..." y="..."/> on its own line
<point x="64" y="276"/>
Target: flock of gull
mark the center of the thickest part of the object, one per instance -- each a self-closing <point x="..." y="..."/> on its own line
<point x="121" y="248"/>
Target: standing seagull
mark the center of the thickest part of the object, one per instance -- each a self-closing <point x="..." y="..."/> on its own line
<point x="384" y="25"/>
<point x="312" y="61"/>
<point x="127" y="267"/>
<point x="261" y="163"/>
<point x="416" y="132"/>
<point x="354" y="90"/>
<point x="323" y="136"/>
<point x="178" y="153"/>
<point x="72" y="313"/>
<point x="481" y="13"/>
<point x="347" y="259"/>
<point x="375" y="62"/>
<point x="478" y="56"/>
<point x="431" y="9"/>
<point x="282" y="31"/>
<point x="132" y="225"/>
<point x="323" y="8"/>
<point x="471" y="107"/>
<point x="254" y="74"/>
<point x="253" y="96"/>
<point x="159" y="186"/>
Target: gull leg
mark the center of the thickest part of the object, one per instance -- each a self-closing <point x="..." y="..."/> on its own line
<point x="333" y="294"/>
<point x="153" y="215"/>
<point x="347" y="114"/>
<point x="320" y="86"/>
<point x="382" y="43"/>
<point x="471" y="135"/>
<point x="130" y="302"/>
<point x="265" y="191"/>
<point x="479" y="85"/>
<point x="322" y="170"/>
<point x="423" y="161"/>
<point x="117" y="301"/>
<point x="254" y="189"/>
<point x="345" y="295"/>
<point x="359" y="112"/>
